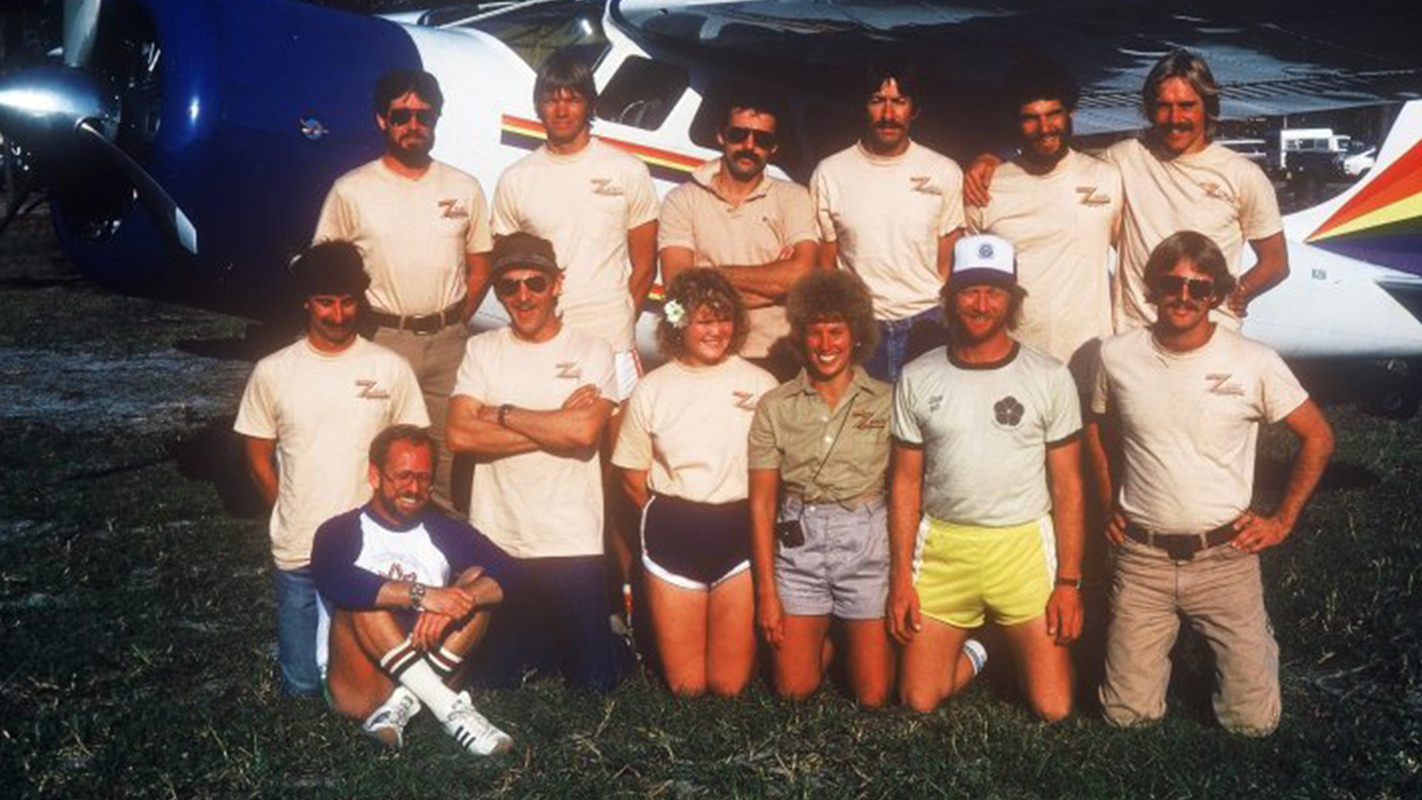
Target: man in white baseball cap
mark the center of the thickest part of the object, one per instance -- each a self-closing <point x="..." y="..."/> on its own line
<point x="986" y="490"/>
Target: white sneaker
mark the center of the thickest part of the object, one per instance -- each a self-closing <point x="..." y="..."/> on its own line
<point x="473" y="732"/>
<point x="387" y="723"/>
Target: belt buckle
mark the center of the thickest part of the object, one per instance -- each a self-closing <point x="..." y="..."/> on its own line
<point x="1179" y="548"/>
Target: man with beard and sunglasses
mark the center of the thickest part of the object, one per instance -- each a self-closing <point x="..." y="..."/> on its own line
<point x="1061" y="209"/>
<point x="422" y="227"/>
<point x="758" y="230"/>
<point x="531" y="403"/>
<point x="1181" y="402"/>
<point x="1175" y="178"/>
<point x="306" y="418"/>
<point x="890" y="209"/>
<point x="986" y="498"/>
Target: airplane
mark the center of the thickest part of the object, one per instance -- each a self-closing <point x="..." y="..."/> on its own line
<point x="187" y="144"/>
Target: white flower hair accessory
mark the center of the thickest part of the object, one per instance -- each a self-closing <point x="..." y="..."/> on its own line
<point x="674" y="313"/>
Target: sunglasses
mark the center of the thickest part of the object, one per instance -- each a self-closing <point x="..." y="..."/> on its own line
<point x="402" y="116"/>
<point x="508" y="287"/>
<point x="765" y="140"/>
<point x="1170" y="285"/>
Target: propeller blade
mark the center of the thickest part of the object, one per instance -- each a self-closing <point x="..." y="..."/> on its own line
<point x="163" y="208"/>
<point x="81" y="28"/>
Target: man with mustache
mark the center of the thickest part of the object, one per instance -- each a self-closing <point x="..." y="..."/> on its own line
<point x="1175" y="179"/>
<point x="306" y="418"/>
<point x="1061" y="209"/>
<point x="890" y="209"/>
<point x="423" y="230"/>
<point x="409" y="592"/>
<point x="531" y="403"/>
<point x="760" y="231"/>
<point x="1177" y="409"/>
<point x="985" y="496"/>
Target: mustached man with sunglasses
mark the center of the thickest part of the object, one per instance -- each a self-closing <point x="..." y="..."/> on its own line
<point x="306" y="418"/>
<point x="408" y="593"/>
<point x="889" y="210"/>
<point x="757" y="230"/>
<point x="422" y="227"/>
<point x="1181" y="402"/>
<point x="531" y="403"/>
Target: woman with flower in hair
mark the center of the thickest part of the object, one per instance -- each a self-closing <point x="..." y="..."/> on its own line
<point x="682" y="453"/>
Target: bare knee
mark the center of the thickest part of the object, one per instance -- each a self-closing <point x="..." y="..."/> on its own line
<point x="920" y="699"/>
<point x="874" y="698"/>
<point x="1052" y="711"/>
<point x="686" y="686"/>
<point x="727" y="686"/>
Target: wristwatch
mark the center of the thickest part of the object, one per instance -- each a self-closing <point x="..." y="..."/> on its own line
<point x="417" y="596"/>
<point x="1074" y="583"/>
<point x="504" y="414"/>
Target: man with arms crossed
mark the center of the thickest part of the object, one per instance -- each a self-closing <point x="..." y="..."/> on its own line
<point x="531" y="402"/>
<point x="985" y="515"/>
<point x="1061" y="209"/>
<point x="889" y="210"/>
<point x="760" y="231"/>
<point x="411" y="591"/>
<point x="1177" y="179"/>
<point x="422" y="228"/>
<point x="312" y="408"/>
<point x="1182" y="400"/>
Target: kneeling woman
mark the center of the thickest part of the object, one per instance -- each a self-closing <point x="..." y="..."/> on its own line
<point x="682" y="452"/>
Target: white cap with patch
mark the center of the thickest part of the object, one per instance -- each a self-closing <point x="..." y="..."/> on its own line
<point x="984" y="259"/>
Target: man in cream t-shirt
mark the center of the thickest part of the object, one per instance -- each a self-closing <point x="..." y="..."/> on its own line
<point x="308" y="414"/>
<point x="1177" y="409"/>
<point x="531" y="403"/>
<point x="1061" y="209"/>
<point x="423" y="231"/>
<point x="890" y="209"/>
<point x="595" y="204"/>
<point x="1176" y="179"/>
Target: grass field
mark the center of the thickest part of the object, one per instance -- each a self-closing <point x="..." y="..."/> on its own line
<point x="137" y="634"/>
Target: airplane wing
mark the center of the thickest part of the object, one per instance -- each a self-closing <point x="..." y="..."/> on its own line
<point x="1272" y="58"/>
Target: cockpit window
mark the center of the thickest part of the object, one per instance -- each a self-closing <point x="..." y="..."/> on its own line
<point x="642" y="92"/>
<point x="535" y="31"/>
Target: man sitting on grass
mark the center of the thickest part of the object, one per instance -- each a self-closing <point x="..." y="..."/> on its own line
<point x="411" y="591"/>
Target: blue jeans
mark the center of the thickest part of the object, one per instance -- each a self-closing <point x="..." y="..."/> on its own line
<point x="903" y="340"/>
<point x="296" y="617"/>
<point x="556" y="621"/>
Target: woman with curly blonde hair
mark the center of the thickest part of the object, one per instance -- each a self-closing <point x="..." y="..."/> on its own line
<point x="682" y="453"/>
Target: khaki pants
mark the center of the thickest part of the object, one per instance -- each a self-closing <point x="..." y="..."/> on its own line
<point x="1221" y="595"/>
<point x="435" y="359"/>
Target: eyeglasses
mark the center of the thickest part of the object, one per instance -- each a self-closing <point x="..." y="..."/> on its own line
<point x="765" y="140"/>
<point x="1170" y="285"/>
<point x="508" y="287"/>
<point x="406" y="478"/>
<point x="401" y="116"/>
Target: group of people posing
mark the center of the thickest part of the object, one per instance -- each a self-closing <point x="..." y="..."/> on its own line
<point x="893" y="404"/>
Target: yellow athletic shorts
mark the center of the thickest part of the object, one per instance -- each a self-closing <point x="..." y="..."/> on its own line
<point x="966" y="572"/>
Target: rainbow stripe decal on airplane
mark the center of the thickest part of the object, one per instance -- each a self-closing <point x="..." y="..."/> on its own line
<point x="1382" y="223"/>
<point x="528" y="134"/>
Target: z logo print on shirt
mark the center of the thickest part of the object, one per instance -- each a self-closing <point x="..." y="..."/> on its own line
<point x="744" y="400"/>
<point x="370" y="389"/>
<point x="1219" y="384"/>
<point x="569" y="370"/>
<point x="605" y="187"/>
<point x="922" y="186"/>
<point x="453" y="210"/>
<point x="1089" y="197"/>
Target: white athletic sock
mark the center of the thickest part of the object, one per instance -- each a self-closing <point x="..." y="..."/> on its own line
<point x="406" y="665"/>
<point x="977" y="654"/>
<point x="445" y="662"/>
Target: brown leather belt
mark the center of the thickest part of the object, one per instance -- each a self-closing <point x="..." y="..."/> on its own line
<point x="424" y="324"/>
<point x="1181" y="546"/>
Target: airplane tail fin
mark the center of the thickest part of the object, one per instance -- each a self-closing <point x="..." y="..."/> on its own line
<point x="1379" y="219"/>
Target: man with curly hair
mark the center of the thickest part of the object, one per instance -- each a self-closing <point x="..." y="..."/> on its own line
<point x="985" y="516"/>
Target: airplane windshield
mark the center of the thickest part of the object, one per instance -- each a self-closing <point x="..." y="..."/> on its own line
<point x="534" y="30"/>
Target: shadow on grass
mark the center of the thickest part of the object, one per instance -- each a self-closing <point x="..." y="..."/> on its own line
<point x="213" y="455"/>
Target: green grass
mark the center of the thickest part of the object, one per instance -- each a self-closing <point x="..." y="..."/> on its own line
<point x="135" y="638"/>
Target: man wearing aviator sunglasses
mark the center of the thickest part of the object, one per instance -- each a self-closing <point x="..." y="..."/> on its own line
<point x="757" y="230"/>
<point x="1177" y="410"/>
<point x="422" y="228"/>
<point x="531" y="403"/>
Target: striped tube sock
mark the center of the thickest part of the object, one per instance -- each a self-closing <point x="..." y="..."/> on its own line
<point x="444" y="662"/>
<point x="405" y="664"/>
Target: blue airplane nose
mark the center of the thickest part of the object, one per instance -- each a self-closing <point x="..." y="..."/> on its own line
<point x="41" y="109"/>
